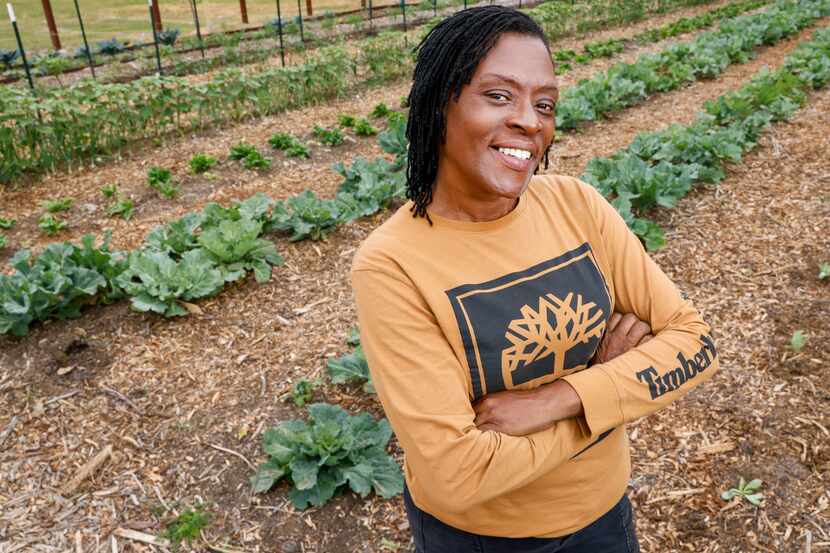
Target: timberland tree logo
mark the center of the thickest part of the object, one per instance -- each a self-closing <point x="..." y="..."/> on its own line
<point x="530" y="327"/>
<point x="552" y="329"/>
<point x="659" y="384"/>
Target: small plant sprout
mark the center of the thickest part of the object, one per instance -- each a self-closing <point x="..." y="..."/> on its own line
<point x="201" y="163"/>
<point x="50" y="225"/>
<point x="380" y="110"/>
<point x="362" y="127"/>
<point x="109" y="190"/>
<point x="2" y="241"/>
<point x="290" y="145"/>
<point x="61" y="204"/>
<point x="824" y="271"/>
<point x="161" y="180"/>
<point x="747" y="490"/>
<point x="249" y="156"/>
<point x="345" y="120"/>
<point x="330" y="137"/>
<point x="186" y="527"/>
<point x="7" y="223"/>
<point x="797" y="341"/>
<point x="302" y="391"/>
<point x="123" y="207"/>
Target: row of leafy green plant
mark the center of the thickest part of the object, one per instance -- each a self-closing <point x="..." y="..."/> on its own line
<point x="706" y="57"/>
<point x="565" y="58"/>
<point x="659" y="168"/>
<point x="195" y="256"/>
<point x="62" y="126"/>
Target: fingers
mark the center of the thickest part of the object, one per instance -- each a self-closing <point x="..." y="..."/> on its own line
<point x="645" y="339"/>
<point x="614" y="321"/>
<point x="626" y="323"/>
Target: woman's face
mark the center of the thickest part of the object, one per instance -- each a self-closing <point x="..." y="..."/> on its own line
<point x="503" y="121"/>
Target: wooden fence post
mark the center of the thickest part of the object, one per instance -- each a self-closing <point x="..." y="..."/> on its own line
<point x="156" y="16"/>
<point x="50" y="22"/>
<point x="243" y="8"/>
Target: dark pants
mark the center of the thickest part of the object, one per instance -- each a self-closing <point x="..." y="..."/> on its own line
<point x="613" y="532"/>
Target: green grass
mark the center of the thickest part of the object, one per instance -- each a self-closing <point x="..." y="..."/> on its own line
<point x="130" y="19"/>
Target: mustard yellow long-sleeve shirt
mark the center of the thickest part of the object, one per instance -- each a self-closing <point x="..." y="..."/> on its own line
<point x="455" y="311"/>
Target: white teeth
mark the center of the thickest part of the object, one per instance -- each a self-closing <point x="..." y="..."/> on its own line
<point x="521" y="154"/>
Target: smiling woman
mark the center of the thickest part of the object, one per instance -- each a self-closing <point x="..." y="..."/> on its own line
<point x="489" y="309"/>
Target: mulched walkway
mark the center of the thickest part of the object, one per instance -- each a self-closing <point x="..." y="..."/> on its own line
<point x="172" y="398"/>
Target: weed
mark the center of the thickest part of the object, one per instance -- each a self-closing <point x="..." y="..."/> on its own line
<point x="823" y="270"/>
<point x="746" y="490"/>
<point x="186" y="527"/>
<point x="797" y="341"/>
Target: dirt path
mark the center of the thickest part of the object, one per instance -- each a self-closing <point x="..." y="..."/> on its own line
<point x="229" y="180"/>
<point x="164" y="393"/>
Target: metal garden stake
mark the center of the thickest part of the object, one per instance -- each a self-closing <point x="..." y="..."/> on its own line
<point x="155" y="36"/>
<point x="86" y="43"/>
<point x="20" y="45"/>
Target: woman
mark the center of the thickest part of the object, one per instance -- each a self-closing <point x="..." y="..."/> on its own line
<point x="483" y="300"/>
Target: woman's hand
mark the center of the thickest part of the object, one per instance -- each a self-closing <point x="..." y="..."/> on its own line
<point x="523" y="412"/>
<point x="623" y="333"/>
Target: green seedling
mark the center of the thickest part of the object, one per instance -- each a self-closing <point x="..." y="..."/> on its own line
<point x="302" y="391"/>
<point x="823" y="269"/>
<point x="797" y="341"/>
<point x="2" y="241"/>
<point x="362" y="127"/>
<point x="330" y="137"/>
<point x="747" y="490"/>
<point x="7" y="223"/>
<point x="255" y="160"/>
<point x="50" y="225"/>
<point x="201" y="163"/>
<point x="61" y="204"/>
<point x="281" y="141"/>
<point x="345" y="120"/>
<point x="123" y="207"/>
<point x="380" y="110"/>
<point x="186" y="527"/>
<point x="109" y="190"/>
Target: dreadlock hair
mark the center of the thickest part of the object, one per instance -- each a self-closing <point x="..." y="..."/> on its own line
<point x="446" y="61"/>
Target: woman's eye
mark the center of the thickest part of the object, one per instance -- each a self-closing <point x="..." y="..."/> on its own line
<point x="498" y="96"/>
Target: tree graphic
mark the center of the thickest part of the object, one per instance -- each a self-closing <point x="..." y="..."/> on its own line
<point x="554" y="328"/>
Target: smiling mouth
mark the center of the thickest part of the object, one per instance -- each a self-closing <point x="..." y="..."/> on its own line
<point x="511" y="161"/>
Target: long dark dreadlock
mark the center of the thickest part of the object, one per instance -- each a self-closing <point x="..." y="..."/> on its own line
<point x="447" y="59"/>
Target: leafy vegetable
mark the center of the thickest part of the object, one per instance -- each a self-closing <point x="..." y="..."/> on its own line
<point x="330" y="137"/>
<point x="187" y="526"/>
<point x="380" y="110"/>
<point x="109" y="190"/>
<point x="7" y="223"/>
<point x="362" y="127"/>
<point x="201" y="163"/>
<point x="302" y="391"/>
<point x="61" y="204"/>
<point x="351" y="367"/>
<point x="161" y="180"/>
<point x="50" y="225"/>
<point x="157" y="283"/>
<point x="346" y="120"/>
<point x="57" y="283"/>
<point x="123" y="207"/>
<point x="236" y="247"/>
<point x="306" y="216"/>
<point x="331" y="450"/>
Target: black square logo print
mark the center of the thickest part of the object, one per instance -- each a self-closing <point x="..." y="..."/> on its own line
<point x="534" y="325"/>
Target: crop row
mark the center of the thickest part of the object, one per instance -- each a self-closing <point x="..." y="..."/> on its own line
<point x="196" y="255"/>
<point x="707" y="56"/>
<point x="68" y="125"/>
<point x="661" y="167"/>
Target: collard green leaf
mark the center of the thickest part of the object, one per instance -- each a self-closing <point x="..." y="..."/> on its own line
<point x="267" y="474"/>
<point x="304" y="473"/>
